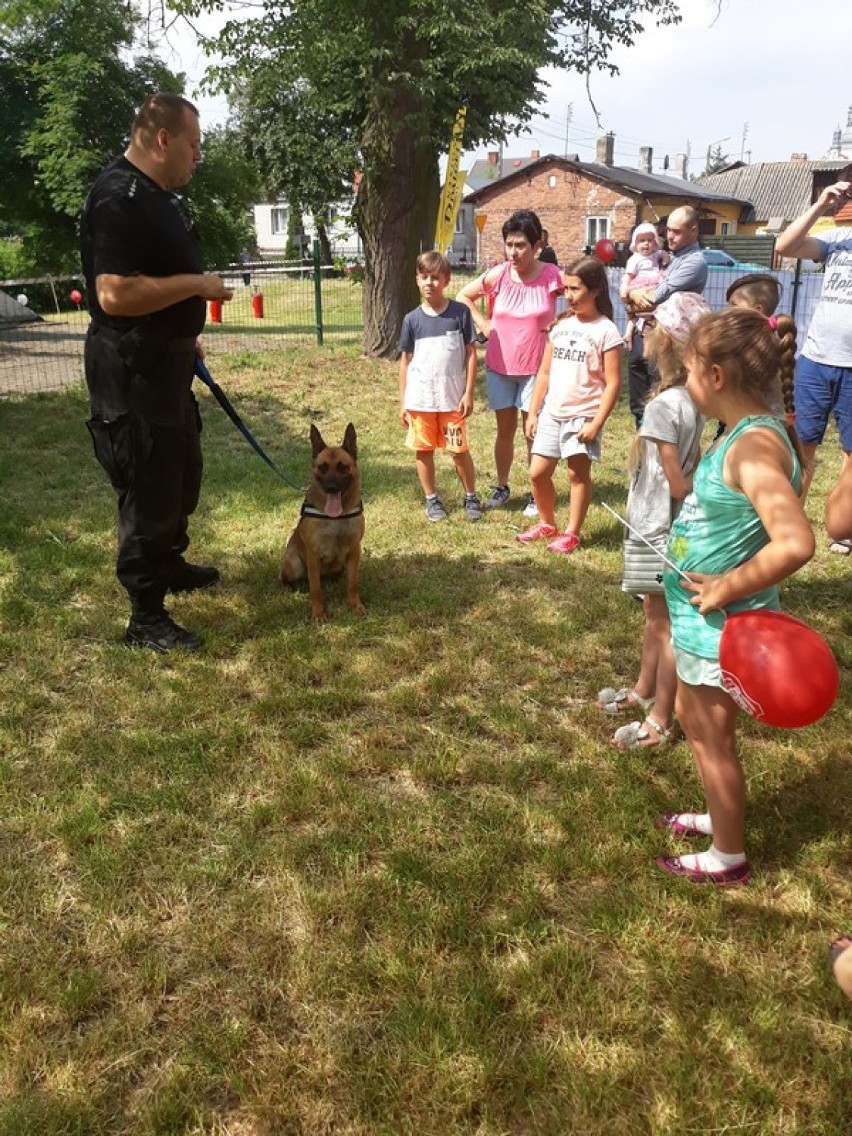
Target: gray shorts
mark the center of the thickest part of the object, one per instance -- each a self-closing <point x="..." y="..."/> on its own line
<point x="555" y="439"/>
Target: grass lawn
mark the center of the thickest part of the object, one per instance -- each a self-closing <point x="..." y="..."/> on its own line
<point x="385" y="876"/>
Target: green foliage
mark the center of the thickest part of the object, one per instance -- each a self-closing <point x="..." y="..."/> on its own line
<point x="304" y="153"/>
<point x="326" y="81"/>
<point x="220" y="196"/>
<point x="69" y="93"/>
<point x="345" y="67"/>
<point x="13" y="262"/>
<point x="716" y="161"/>
<point x="293" y="249"/>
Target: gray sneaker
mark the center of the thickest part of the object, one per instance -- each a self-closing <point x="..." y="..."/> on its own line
<point x="499" y="496"/>
<point x="472" y="507"/>
<point x="435" y="510"/>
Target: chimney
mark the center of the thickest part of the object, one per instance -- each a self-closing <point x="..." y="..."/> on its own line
<point x="646" y="154"/>
<point x="679" y="166"/>
<point x="605" y="149"/>
<point x="798" y="157"/>
<point x="535" y="155"/>
<point x="493" y="157"/>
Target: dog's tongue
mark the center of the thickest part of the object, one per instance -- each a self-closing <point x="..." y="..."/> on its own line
<point x="333" y="505"/>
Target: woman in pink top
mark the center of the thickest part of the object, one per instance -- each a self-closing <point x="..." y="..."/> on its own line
<point x="524" y="292"/>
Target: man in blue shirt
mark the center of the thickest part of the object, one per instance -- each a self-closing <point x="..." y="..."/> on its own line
<point x="687" y="272"/>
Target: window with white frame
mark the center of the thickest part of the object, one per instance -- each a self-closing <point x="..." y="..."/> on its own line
<point x="278" y="219"/>
<point x="459" y="222"/>
<point x="597" y="228"/>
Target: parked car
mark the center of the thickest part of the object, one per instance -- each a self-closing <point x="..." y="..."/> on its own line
<point x="718" y="258"/>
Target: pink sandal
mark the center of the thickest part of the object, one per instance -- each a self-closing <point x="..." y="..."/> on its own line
<point x="725" y="877"/>
<point x="671" y="822"/>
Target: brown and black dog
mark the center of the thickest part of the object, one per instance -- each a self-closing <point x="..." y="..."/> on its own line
<point x="328" y="537"/>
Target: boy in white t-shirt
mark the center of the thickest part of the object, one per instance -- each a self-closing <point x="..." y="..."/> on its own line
<point x="437" y="372"/>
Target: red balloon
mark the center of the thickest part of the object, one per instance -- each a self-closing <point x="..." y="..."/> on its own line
<point x="75" y="296"/>
<point x="777" y="669"/>
<point x="605" y="250"/>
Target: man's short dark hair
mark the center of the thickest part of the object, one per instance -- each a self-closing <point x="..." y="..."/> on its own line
<point x="160" y="112"/>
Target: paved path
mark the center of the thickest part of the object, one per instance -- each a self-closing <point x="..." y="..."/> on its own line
<point x="41" y="356"/>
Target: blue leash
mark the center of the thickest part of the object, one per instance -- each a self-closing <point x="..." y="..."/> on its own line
<point x="225" y="403"/>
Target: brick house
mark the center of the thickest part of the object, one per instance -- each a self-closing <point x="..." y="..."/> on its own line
<point x="581" y="202"/>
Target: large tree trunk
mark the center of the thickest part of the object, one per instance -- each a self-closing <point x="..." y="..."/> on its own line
<point x="324" y="242"/>
<point x="397" y="210"/>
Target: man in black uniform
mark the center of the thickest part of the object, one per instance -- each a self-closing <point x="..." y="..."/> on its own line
<point x="147" y="298"/>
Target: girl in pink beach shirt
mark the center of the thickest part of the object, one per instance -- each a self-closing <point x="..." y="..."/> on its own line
<point x="575" y="391"/>
<point x="576" y="367"/>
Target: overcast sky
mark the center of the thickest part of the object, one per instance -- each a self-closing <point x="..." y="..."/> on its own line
<point x="760" y="78"/>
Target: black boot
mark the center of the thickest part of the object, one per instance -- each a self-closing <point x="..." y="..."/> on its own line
<point x="186" y="577"/>
<point x="159" y="633"/>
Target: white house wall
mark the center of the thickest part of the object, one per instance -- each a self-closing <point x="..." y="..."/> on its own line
<point x="343" y="236"/>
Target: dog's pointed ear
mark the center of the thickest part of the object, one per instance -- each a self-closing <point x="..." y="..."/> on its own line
<point x="317" y="444"/>
<point x="350" y="442"/>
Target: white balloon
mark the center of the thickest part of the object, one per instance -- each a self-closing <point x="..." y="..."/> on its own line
<point x="22" y="299"/>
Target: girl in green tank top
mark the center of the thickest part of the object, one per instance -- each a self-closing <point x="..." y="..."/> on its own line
<point x="740" y="532"/>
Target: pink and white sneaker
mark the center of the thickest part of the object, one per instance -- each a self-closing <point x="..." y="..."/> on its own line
<point x="567" y="543"/>
<point x="541" y="531"/>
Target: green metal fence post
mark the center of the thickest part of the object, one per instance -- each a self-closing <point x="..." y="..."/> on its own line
<point x="317" y="291"/>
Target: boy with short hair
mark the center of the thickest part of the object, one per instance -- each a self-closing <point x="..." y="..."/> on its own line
<point x="437" y="372"/>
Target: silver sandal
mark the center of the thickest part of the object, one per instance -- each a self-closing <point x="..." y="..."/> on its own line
<point x="613" y="701"/>
<point x="635" y="736"/>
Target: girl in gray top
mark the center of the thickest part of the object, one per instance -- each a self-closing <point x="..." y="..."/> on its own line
<point x="664" y="454"/>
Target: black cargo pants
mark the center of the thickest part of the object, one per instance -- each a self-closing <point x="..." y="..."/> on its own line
<point x="146" y="434"/>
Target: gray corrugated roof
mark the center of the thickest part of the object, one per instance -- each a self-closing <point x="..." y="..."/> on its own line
<point x="776" y="189"/>
<point x="655" y="183"/>
<point x="483" y="172"/>
<point x="483" y="175"/>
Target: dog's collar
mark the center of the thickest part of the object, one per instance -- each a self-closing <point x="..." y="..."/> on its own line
<point x="310" y="511"/>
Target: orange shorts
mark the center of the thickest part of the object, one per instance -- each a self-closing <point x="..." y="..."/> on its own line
<point x="437" y="430"/>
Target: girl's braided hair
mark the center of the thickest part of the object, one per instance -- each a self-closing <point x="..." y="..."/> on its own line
<point x="752" y="351"/>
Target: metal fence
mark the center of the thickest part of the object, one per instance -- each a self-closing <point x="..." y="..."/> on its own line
<point x="799" y="294"/>
<point x="275" y="306"/>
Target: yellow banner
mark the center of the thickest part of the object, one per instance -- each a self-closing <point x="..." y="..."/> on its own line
<point x="451" y="194"/>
